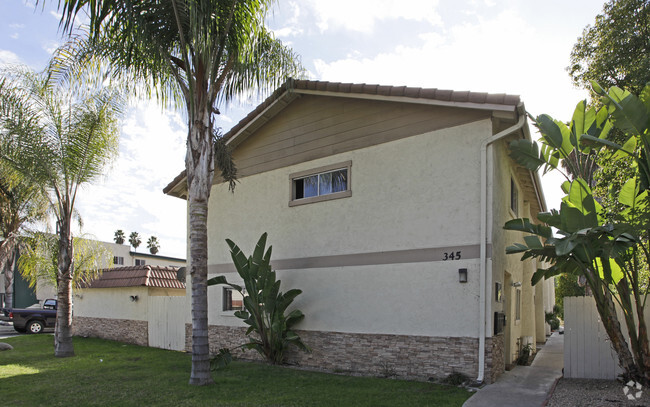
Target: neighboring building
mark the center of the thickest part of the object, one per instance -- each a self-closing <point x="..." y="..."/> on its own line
<point x="133" y="304"/>
<point x="122" y="255"/>
<point x="386" y="206"/>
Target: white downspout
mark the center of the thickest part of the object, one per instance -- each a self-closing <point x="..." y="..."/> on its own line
<point x="483" y="298"/>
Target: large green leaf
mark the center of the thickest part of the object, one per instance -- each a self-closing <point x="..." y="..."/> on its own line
<point x="555" y="134"/>
<point x="239" y="259"/>
<point x="609" y="270"/>
<point x="526" y="153"/>
<point x="578" y="209"/>
<point x="525" y="225"/>
<point x="533" y="242"/>
<point x="582" y="118"/>
<point x="628" y="193"/>
<point x="627" y="149"/>
<point x="628" y="112"/>
<point x="565" y="246"/>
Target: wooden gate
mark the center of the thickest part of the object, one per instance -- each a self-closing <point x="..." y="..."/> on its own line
<point x="167" y="322"/>
<point x="587" y="349"/>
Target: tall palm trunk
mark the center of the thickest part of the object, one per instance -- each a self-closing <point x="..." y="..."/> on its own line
<point x="63" y="331"/>
<point x="199" y="164"/>
<point x="8" y="264"/>
<point x="9" y="267"/>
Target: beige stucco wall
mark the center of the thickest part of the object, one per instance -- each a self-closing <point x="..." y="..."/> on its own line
<point x="435" y="174"/>
<point x="532" y="307"/>
<point x="417" y="192"/>
<point x="111" y="303"/>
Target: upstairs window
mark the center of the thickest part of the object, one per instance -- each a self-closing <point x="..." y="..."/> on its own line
<point x="321" y="184"/>
<point x="118" y="260"/>
<point x="139" y="262"/>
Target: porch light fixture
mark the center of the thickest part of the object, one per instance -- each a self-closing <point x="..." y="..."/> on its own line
<point x="134" y="298"/>
<point x="462" y="275"/>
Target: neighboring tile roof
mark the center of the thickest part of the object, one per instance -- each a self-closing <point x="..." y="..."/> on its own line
<point x="474" y="99"/>
<point x="136" y="276"/>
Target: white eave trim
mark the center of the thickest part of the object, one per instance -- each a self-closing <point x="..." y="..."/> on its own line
<point x="420" y="101"/>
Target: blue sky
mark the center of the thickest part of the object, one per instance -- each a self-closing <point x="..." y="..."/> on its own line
<point x="517" y="47"/>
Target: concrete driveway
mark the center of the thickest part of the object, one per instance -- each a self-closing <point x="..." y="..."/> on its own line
<point x="525" y="385"/>
<point x="7" y="331"/>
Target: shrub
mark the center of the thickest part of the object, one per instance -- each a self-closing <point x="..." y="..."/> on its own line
<point x="265" y="306"/>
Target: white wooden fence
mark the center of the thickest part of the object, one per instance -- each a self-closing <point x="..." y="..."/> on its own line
<point x="588" y="352"/>
<point x="167" y="322"/>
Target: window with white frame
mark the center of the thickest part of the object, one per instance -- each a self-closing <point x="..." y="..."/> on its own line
<point x="118" y="260"/>
<point x="140" y="262"/>
<point x="232" y="300"/>
<point x="321" y="184"/>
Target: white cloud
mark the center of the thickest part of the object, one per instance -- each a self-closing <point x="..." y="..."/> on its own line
<point x="56" y="14"/>
<point x="152" y="151"/>
<point x="14" y="36"/>
<point x="292" y="29"/>
<point x="363" y="15"/>
<point x="16" y="26"/>
<point x="9" y="58"/>
<point x="50" y="46"/>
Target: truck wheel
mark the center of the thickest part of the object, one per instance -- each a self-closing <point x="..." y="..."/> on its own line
<point x="35" y="327"/>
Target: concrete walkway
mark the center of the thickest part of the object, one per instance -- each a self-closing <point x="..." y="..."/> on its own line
<point x="525" y="385"/>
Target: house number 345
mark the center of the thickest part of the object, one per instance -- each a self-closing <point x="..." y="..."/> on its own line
<point x="451" y="255"/>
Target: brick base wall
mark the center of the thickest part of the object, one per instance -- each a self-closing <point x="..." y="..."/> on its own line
<point x="494" y="358"/>
<point x="405" y="356"/>
<point x="122" y="330"/>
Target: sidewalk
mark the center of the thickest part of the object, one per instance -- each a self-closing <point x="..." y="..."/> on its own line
<point x="525" y="385"/>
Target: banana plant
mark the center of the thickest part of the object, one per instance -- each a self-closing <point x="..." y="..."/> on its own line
<point x="610" y="253"/>
<point x="270" y="330"/>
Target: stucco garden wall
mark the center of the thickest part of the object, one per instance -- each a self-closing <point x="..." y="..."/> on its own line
<point x="111" y="303"/>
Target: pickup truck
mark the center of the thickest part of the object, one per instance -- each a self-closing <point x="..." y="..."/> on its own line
<point x="34" y="320"/>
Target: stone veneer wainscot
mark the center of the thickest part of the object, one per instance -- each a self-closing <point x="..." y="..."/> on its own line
<point x="122" y="330"/>
<point x="404" y="356"/>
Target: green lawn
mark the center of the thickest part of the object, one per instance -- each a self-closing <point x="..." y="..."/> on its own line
<point x="106" y="373"/>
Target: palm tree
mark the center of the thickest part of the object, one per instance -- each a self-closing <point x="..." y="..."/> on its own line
<point x="119" y="236"/>
<point x="153" y="245"/>
<point x="200" y="53"/>
<point x="21" y="204"/>
<point x="134" y="239"/>
<point x="70" y="143"/>
<point x="38" y="260"/>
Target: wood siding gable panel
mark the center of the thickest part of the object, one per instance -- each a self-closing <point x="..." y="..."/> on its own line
<point x="314" y="127"/>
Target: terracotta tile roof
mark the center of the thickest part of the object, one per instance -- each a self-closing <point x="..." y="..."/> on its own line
<point x="135" y="276"/>
<point x="470" y="99"/>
